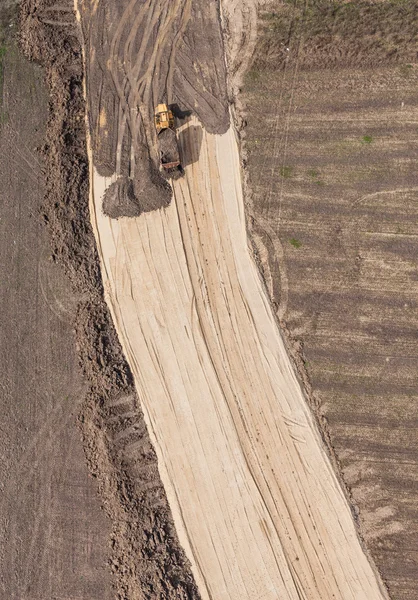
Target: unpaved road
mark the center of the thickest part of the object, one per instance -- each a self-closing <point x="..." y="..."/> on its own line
<point x="257" y="506"/>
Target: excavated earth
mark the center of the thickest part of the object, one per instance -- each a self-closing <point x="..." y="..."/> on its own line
<point x="330" y="111"/>
<point x="139" y="54"/>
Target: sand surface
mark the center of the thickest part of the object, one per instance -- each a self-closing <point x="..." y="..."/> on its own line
<point x="256" y="503"/>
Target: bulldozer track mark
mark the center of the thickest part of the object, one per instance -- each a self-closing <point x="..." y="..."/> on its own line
<point x="278" y="253"/>
<point x="184" y="20"/>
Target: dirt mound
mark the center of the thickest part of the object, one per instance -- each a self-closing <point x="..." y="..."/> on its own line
<point x="149" y="187"/>
<point x="132" y="197"/>
<point x="146" y="557"/>
<point x="167" y="144"/>
<point x="120" y="201"/>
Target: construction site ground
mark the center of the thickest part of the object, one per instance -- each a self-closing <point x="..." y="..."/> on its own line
<point x="217" y="474"/>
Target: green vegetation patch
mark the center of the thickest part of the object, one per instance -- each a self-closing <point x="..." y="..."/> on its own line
<point x="286" y="172"/>
<point x="295" y="243"/>
<point x="314" y="175"/>
<point x="366" y="139"/>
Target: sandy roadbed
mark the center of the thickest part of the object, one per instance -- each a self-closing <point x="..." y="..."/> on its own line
<point x="255" y="501"/>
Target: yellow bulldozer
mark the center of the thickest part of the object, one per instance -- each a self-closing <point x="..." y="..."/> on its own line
<point x="167" y="141"/>
<point x="163" y="118"/>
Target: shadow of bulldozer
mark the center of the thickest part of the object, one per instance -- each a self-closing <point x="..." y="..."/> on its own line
<point x="179" y="113"/>
<point x="189" y="137"/>
<point x="190" y="143"/>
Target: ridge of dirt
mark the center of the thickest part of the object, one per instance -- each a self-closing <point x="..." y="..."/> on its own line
<point x="147" y="560"/>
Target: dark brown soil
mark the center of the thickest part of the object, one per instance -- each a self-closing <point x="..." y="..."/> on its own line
<point x="146" y="557"/>
<point x="167" y="145"/>
<point x="54" y="539"/>
<point x="120" y="200"/>
<point x="332" y="161"/>
<point x="131" y="197"/>
<point x="134" y="60"/>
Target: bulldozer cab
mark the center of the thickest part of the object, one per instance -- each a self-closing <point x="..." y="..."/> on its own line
<point x="164" y="118"/>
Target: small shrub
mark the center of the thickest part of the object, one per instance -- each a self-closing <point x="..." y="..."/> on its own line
<point x="286" y="172"/>
<point x="295" y="243"/>
<point x="406" y="70"/>
<point x="367" y="139"/>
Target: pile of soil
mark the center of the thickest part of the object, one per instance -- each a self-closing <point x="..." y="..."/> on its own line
<point x="147" y="559"/>
<point x="120" y="201"/>
<point x="128" y="197"/>
<point x="167" y="144"/>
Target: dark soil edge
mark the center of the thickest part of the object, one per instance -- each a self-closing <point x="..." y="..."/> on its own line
<point x="145" y="554"/>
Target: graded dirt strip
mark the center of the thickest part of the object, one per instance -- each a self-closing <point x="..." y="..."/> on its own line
<point x="256" y="503"/>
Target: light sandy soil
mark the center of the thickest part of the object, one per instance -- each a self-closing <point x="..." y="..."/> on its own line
<point x="256" y="503"/>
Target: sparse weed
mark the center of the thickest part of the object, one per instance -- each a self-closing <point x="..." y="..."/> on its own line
<point x="2" y="55"/>
<point x="295" y="243"/>
<point x="252" y="76"/>
<point x="313" y="173"/>
<point x="406" y="70"/>
<point x="331" y="33"/>
<point x="366" y="139"/>
<point x="286" y="172"/>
